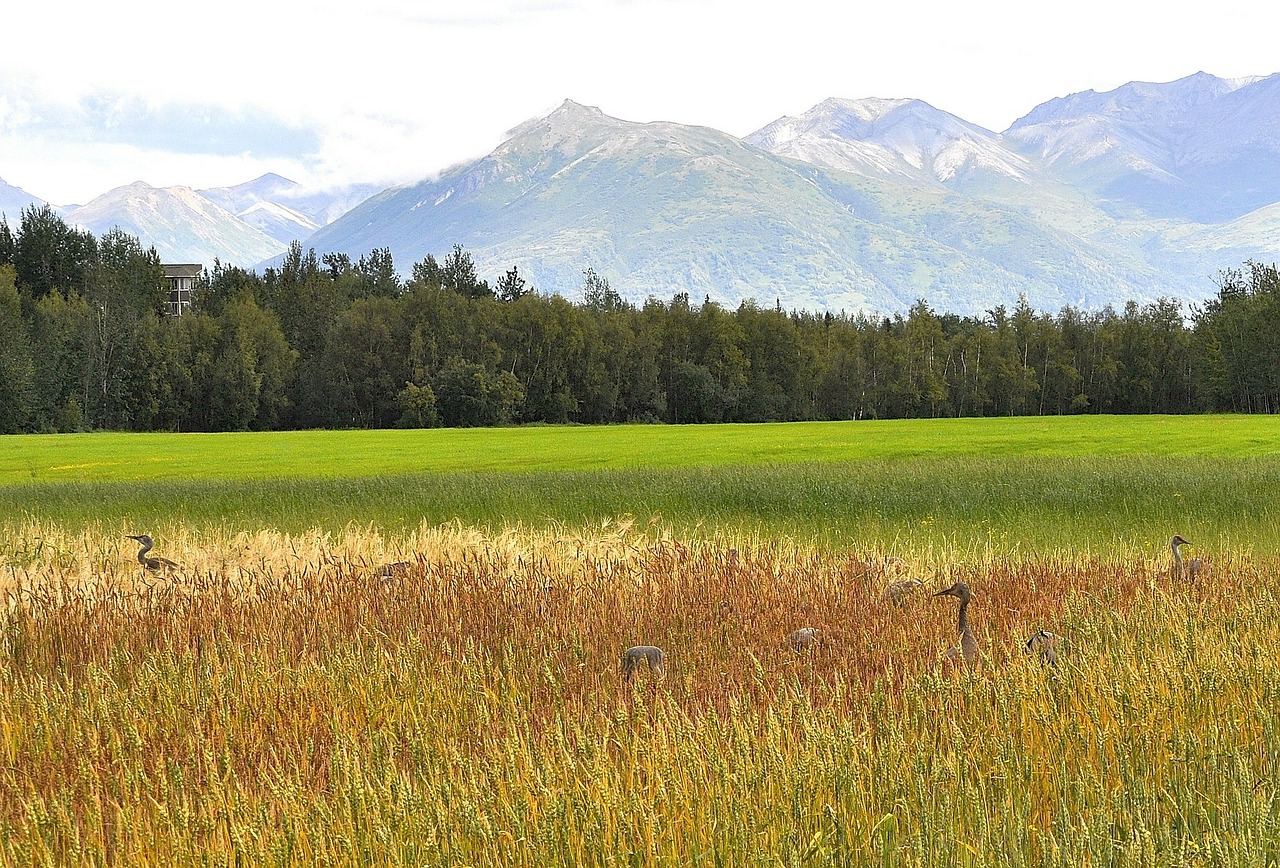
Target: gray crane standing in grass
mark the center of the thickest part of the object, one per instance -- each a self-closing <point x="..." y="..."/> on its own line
<point x="899" y="592"/>
<point x="966" y="649"/>
<point x="154" y="564"/>
<point x="1195" y="568"/>
<point x="647" y="655"/>
<point x="391" y="571"/>
<point x="1043" y="646"/>
<point x="804" y="639"/>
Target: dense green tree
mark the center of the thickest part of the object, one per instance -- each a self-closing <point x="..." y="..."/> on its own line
<point x="418" y="407"/>
<point x="470" y="395"/>
<point x="458" y="273"/>
<point x="250" y="369"/>
<point x="511" y="286"/>
<point x="695" y="395"/>
<point x="368" y="349"/>
<point x="7" y="243"/>
<point x="226" y="282"/>
<point x="543" y="340"/>
<point x="51" y="256"/>
<point x="61" y="328"/>
<point x="17" y="372"/>
<point x="376" y="275"/>
<point x="597" y="294"/>
<point x="126" y="272"/>
<point x="84" y="344"/>
<point x="1237" y="336"/>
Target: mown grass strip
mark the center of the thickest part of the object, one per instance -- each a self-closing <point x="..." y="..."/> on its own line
<point x="351" y="454"/>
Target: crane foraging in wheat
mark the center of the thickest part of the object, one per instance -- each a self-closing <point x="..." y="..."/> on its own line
<point x="966" y="648"/>
<point x="649" y="656"/>
<point x="1043" y="646"/>
<point x="804" y="640"/>
<point x="155" y="564"/>
<point x="1193" y="569"/>
<point x="899" y="592"/>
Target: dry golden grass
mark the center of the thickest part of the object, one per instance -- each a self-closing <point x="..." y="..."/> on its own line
<point x="278" y="702"/>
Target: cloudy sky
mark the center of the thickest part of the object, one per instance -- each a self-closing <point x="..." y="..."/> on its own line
<point x="93" y="96"/>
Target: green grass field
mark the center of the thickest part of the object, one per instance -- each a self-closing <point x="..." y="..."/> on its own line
<point x="1083" y="483"/>
<point x="355" y="454"/>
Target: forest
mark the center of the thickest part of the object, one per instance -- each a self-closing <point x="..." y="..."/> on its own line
<point x="327" y="342"/>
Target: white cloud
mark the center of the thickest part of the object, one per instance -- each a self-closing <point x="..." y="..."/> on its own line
<point x="395" y="89"/>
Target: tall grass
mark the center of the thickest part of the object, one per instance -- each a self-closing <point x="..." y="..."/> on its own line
<point x="276" y="702"/>
<point x="956" y="505"/>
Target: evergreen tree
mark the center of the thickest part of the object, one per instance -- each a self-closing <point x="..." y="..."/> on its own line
<point x="512" y="287"/>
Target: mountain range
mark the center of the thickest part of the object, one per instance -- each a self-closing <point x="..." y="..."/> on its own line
<point x="1091" y="199"/>
<point x="13" y="200"/>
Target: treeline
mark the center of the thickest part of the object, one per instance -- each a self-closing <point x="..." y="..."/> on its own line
<point x="330" y="342"/>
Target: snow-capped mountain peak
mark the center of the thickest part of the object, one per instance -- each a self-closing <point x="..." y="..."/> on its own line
<point x="902" y="138"/>
<point x="1201" y="147"/>
<point x="183" y="225"/>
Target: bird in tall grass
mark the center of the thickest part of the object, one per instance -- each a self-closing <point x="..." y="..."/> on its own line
<point x="155" y="564"/>
<point x="967" y="648"/>
<point x="650" y="656"/>
<point x="899" y="592"/>
<point x="391" y="571"/>
<point x="1194" y="569"/>
<point x="1043" y="646"/>
<point x="804" y="639"/>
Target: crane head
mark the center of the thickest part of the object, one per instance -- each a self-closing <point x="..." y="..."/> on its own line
<point x="959" y="590"/>
<point x="1179" y="541"/>
<point x="142" y="538"/>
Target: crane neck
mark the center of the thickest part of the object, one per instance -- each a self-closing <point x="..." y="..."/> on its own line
<point x="142" y="552"/>
<point x="964" y="616"/>
<point x="1177" y="555"/>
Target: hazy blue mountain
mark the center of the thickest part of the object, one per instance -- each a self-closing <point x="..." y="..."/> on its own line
<point x="1200" y="148"/>
<point x="899" y="139"/>
<point x="661" y="208"/>
<point x="181" y="224"/>
<point x="284" y="209"/>
<point x="278" y="221"/>
<point x="13" y="200"/>
<point x="266" y="188"/>
<point x="258" y="203"/>
<point x="912" y="144"/>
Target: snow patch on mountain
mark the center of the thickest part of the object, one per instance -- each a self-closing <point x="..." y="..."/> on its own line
<point x="1200" y="148"/>
<point x="278" y="221"/>
<point x="181" y="224"/>
<point x="890" y="138"/>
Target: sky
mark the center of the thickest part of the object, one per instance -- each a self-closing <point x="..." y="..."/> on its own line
<point x="93" y="96"/>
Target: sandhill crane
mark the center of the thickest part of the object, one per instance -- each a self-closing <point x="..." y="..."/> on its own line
<point x="649" y="655"/>
<point x="804" y="639"/>
<point x="390" y="571"/>
<point x="899" y="592"/>
<point x="1043" y="646"/>
<point x="152" y="563"/>
<point x="1196" y="567"/>
<point x="967" y="648"/>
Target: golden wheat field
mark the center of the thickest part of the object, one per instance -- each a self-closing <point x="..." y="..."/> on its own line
<point x="278" y="701"/>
